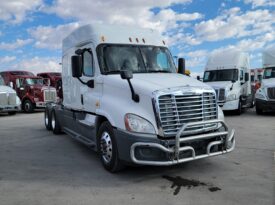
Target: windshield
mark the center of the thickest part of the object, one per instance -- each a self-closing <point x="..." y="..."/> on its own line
<point x="34" y="81"/>
<point x="139" y="59"/>
<point x="2" y="81"/>
<point x="220" y="75"/>
<point x="269" y="73"/>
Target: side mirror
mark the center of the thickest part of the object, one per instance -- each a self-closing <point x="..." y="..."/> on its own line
<point x="246" y="77"/>
<point x="76" y="66"/>
<point x="198" y="78"/>
<point x="181" y="66"/>
<point x="126" y="74"/>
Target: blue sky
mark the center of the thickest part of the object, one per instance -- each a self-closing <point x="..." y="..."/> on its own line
<point x="31" y="30"/>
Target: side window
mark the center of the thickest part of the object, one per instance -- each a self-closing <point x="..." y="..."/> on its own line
<point x="88" y="68"/>
<point x="241" y="75"/>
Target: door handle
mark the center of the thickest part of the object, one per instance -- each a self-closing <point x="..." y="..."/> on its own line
<point x="81" y="97"/>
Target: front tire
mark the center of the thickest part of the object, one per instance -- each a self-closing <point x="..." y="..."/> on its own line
<point x="28" y="106"/>
<point x="259" y="111"/>
<point x="12" y="113"/>
<point x="107" y="148"/>
<point x="239" y="110"/>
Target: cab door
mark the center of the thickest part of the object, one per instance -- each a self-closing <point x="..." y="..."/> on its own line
<point x="89" y="95"/>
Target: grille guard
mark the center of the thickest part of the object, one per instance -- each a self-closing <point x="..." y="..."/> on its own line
<point x="176" y="150"/>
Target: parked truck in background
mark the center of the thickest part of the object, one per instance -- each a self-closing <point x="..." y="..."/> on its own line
<point x="55" y="81"/>
<point x="9" y="101"/>
<point x="123" y="97"/>
<point x="265" y="95"/>
<point x="228" y="74"/>
<point x="32" y="90"/>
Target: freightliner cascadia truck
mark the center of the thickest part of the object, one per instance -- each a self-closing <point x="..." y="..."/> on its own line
<point x="265" y="95"/>
<point x="32" y="90"/>
<point x="123" y="97"/>
<point x="229" y="74"/>
<point x="9" y="101"/>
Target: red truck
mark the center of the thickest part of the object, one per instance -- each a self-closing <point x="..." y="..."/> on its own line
<point x="54" y="81"/>
<point x="32" y="90"/>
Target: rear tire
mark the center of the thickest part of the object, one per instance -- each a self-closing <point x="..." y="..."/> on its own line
<point x="28" y="106"/>
<point x="12" y="113"/>
<point x="47" y="119"/>
<point x="55" y="124"/>
<point x="107" y="148"/>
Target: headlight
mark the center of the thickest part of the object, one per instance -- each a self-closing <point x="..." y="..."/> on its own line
<point x="134" y="123"/>
<point x="231" y="97"/>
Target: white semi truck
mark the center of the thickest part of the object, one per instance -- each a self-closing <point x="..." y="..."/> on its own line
<point x="9" y="101"/>
<point x="228" y="73"/>
<point x="265" y="95"/>
<point x="123" y="97"/>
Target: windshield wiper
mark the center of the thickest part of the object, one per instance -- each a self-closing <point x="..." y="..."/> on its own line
<point x="112" y="72"/>
<point x="158" y="71"/>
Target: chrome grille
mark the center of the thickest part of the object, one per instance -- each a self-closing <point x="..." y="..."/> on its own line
<point x="176" y="110"/>
<point x="49" y="95"/>
<point x="271" y="93"/>
<point x="220" y="93"/>
<point x="12" y="99"/>
<point x="3" y="99"/>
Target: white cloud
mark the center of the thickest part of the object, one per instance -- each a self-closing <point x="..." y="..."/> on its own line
<point x="16" y="44"/>
<point x="15" y="11"/>
<point x="234" y="24"/>
<point x="37" y="64"/>
<point x="51" y="37"/>
<point x="7" y="59"/>
<point x="258" y="3"/>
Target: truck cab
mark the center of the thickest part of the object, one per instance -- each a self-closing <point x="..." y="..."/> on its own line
<point x="54" y="77"/>
<point x="32" y="90"/>
<point x="229" y="74"/>
<point x="265" y="95"/>
<point x="9" y="101"/>
<point x="123" y="98"/>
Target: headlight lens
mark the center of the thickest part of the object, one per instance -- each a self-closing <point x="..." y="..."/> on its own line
<point x="231" y="97"/>
<point x="134" y="123"/>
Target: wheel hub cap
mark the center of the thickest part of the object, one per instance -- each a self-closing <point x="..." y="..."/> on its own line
<point x="106" y="147"/>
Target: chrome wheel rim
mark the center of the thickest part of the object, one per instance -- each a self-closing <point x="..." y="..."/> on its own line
<point x="53" y="121"/>
<point x="27" y="106"/>
<point x="106" y="147"/>
<point x="46" y="119"/>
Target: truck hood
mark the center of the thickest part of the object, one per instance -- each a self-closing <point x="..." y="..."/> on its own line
<point x="268" y="82"/>
<point x="220" y="84"/>
<point x="148" y="83"/>
<point x="6" y="89"/>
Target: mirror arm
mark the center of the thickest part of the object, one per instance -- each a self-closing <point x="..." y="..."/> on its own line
<point x="135" y="97"/>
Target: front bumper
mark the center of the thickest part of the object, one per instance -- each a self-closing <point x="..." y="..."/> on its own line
<point x="265" y="105"/>
<point x="40" y="104"/>
<point x="9" y="108"/>
<point x="153" y="151"/>
<point x="230" y="105"/>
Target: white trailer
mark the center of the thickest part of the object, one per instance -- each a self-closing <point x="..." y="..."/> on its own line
<point x="228" y="73"/>
<point x="123" y="97"/>
<point x="9" y="101"/>
<point x="265" y="95"/>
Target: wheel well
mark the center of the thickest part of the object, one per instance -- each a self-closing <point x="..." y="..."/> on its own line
<point x="99" y="121"/>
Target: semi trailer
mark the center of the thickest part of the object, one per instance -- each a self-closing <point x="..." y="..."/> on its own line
<point x="123" y="97"/>
<point x="265" y="95"/>
<point x="229" y="74"/>
<point x="32" y="90"/>
<point x="9" y="101"/>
